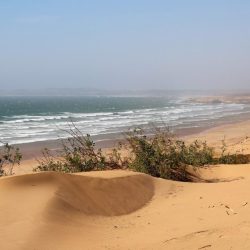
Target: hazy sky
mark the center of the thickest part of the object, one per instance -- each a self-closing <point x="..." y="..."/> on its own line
<point x="130" y="44"/>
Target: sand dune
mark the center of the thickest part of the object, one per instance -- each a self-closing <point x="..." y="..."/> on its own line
<point x="126" y="210"/>
<point x="34" y="201"/>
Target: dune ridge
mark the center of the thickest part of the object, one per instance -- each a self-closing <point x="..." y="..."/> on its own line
<point x="90" y="195"/>
<point x="126" y="210"/>
<point x="66" y="199"/>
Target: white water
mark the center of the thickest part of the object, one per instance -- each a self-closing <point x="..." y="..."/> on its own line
<point x="30" y="128"/>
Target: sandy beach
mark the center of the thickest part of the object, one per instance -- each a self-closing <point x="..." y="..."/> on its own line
<point x="127" y="210"/>
<point x="124" y="125"/>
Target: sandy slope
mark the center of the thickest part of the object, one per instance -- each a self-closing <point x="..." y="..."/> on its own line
<point x="236" y="136"/>
<point x="125" y="210"/>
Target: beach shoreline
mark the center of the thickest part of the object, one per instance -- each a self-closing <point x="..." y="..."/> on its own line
<point x="46" y="119"/>
<point x="233" y="132"/>
<point x="33" y="150"/>
<point x="212" y="213"/>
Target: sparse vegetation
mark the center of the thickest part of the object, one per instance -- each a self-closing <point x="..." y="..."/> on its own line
<point x="238" y="157"/>
<point x="158" y="153"/>
<point x="9" y="156"/>
<point x="163" y="155"/>
<point x="78" y="154"/>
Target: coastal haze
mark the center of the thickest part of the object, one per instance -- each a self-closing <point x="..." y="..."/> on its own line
<point x="135" y="45"/>
<point x="139" y="50"/>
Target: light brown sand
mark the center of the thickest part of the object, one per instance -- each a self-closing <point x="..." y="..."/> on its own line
<point x="236" y="136"/>
<point x="126" y="210"/>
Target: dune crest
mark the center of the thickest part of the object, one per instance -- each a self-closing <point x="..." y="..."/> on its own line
<point x="100" y="196"/>
<point x="125" y="210"/>
<point x="36" y="202"/>
<point x="88" y="194"/>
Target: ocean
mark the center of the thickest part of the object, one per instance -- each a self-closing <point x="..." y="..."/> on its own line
<point x="31" y="119"/>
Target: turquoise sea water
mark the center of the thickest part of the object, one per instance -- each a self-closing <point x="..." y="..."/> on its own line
<point x="29" y="119"/>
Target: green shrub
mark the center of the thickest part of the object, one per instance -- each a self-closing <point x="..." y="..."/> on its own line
<point x="78" y="154"/>
<point x="157" y="152"/>
<point x="9" y="156"/>
<point x="233" y="158"/>
<point x="162" y="155"/>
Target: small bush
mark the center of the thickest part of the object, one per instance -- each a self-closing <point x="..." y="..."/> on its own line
<point x="238" y="157"/>
<point x="233" y="159"/>
<point x="162" y="155"/>
<point x="158" y="153"/>
<point x="78" y="154"/>
<point x="9" y="156"/>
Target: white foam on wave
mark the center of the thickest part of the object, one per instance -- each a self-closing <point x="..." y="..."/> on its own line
<point x="28" y="128"/>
